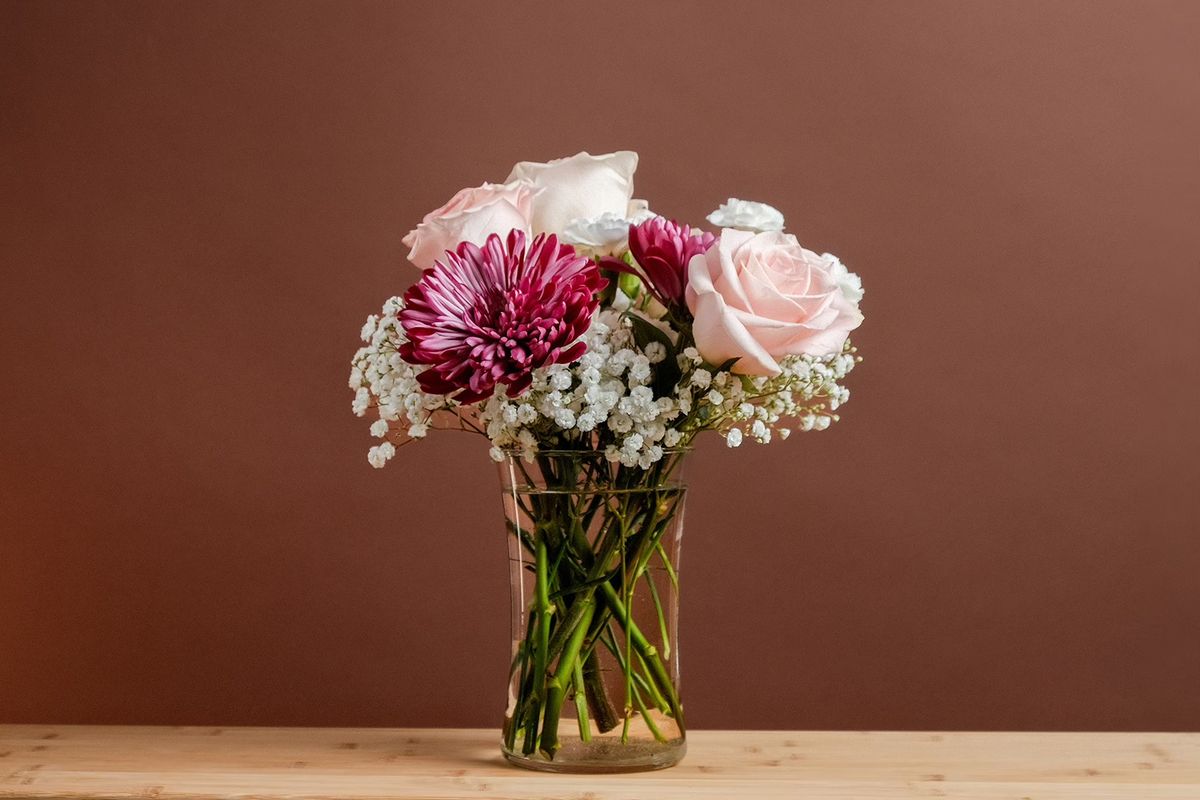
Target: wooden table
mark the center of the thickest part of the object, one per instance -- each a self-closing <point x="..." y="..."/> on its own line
<point x="38" y="761"/>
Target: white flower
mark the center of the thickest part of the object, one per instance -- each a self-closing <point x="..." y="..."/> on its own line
<point x="639" y="370"/>
<point x="848" y="282"/>
<point x="496" y="454"/>
<point x="368" y="328"/>
<point x="580" y="187"/>
<point x="747" y="215"/>
<point x="561" y="380"/>
<point x="379" y="428"/>
<point x="362" y="401"/>
<point x="701" y="378"/>
<point x="608" y="233"/>
<point x="733" y="437"/>
<point x="620" y="423"/>
<point x="380" y="453"/>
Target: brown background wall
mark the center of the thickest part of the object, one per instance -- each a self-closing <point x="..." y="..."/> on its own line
<point x="203" y="201"/>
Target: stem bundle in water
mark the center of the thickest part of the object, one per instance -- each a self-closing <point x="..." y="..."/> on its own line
<point x="598" y="621"/>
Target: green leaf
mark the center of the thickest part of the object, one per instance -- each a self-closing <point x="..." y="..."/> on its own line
<point x="645" y="332"/>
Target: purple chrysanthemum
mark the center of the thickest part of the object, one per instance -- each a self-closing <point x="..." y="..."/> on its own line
<point x="662" y="249"/>
<point x="492" y="315"/>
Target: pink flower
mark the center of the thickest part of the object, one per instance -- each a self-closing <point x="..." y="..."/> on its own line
<point x="759" y="297"/>
<point x="471" y="216"/>
<point x="662" y="249"/>
<point x="482" y="317"/>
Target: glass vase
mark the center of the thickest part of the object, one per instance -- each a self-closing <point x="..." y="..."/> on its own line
<point x="594" y="575"/>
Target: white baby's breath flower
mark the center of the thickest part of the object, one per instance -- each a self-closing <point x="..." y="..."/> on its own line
<point x="368" y="328"/>
<point x="362" y="401"/>
<point x="380" y="453"/>
<point x="733" y="437"/>
<point x="379" y="428"/>
<point x="496" y="454"/>
<point x="561" y="379"/>
<point x="620" y="423"/>
<point x="747" y="215"/>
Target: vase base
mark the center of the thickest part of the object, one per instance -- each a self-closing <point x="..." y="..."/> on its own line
<point x="606" y="760"/>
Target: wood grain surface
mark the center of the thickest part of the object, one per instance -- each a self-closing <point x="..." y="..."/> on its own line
<point x="266" y="763"/>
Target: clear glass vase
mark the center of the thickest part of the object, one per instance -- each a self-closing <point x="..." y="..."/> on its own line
<point x="594" y="576"/>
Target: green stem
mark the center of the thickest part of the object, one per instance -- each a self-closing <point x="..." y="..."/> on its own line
<point x="658" y="734"/>
<point x="581" y="704"/>
<point x="557" y="686"/>
<point x="647" y="651"/>
<point x="662" y="554"/>
<point x="658" y="609"/>
<point x="610" y="642"/>
<point x="543" y="610"/>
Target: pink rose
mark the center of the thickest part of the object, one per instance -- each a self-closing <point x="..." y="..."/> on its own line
<point x="760" y="296"/>
<point x="471" y="216"/>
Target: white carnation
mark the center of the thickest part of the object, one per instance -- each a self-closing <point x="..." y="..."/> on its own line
<point x="608" y="233"/>
<point x="747" y="215"/>
<point x="848" y="282"/>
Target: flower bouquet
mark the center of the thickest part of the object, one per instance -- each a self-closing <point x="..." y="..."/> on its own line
<point x="590" y="341"/>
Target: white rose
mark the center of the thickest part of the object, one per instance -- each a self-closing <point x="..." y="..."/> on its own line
<point x="850" y="284"/>
<point x="607" y="234"/>
<point x="747" y="215"/>
<point x="580" y="187"/>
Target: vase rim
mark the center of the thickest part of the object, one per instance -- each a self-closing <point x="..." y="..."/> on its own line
<point x="558" y="451"/>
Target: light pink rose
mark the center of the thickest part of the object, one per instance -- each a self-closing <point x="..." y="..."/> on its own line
<point x="580" y="187"/>
<point x="760" y="296"/>
<point x="471" y="216"/>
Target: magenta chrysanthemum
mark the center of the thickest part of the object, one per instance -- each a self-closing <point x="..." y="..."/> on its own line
<point x="482" y="317"/>
<point x="662" y="249"/>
